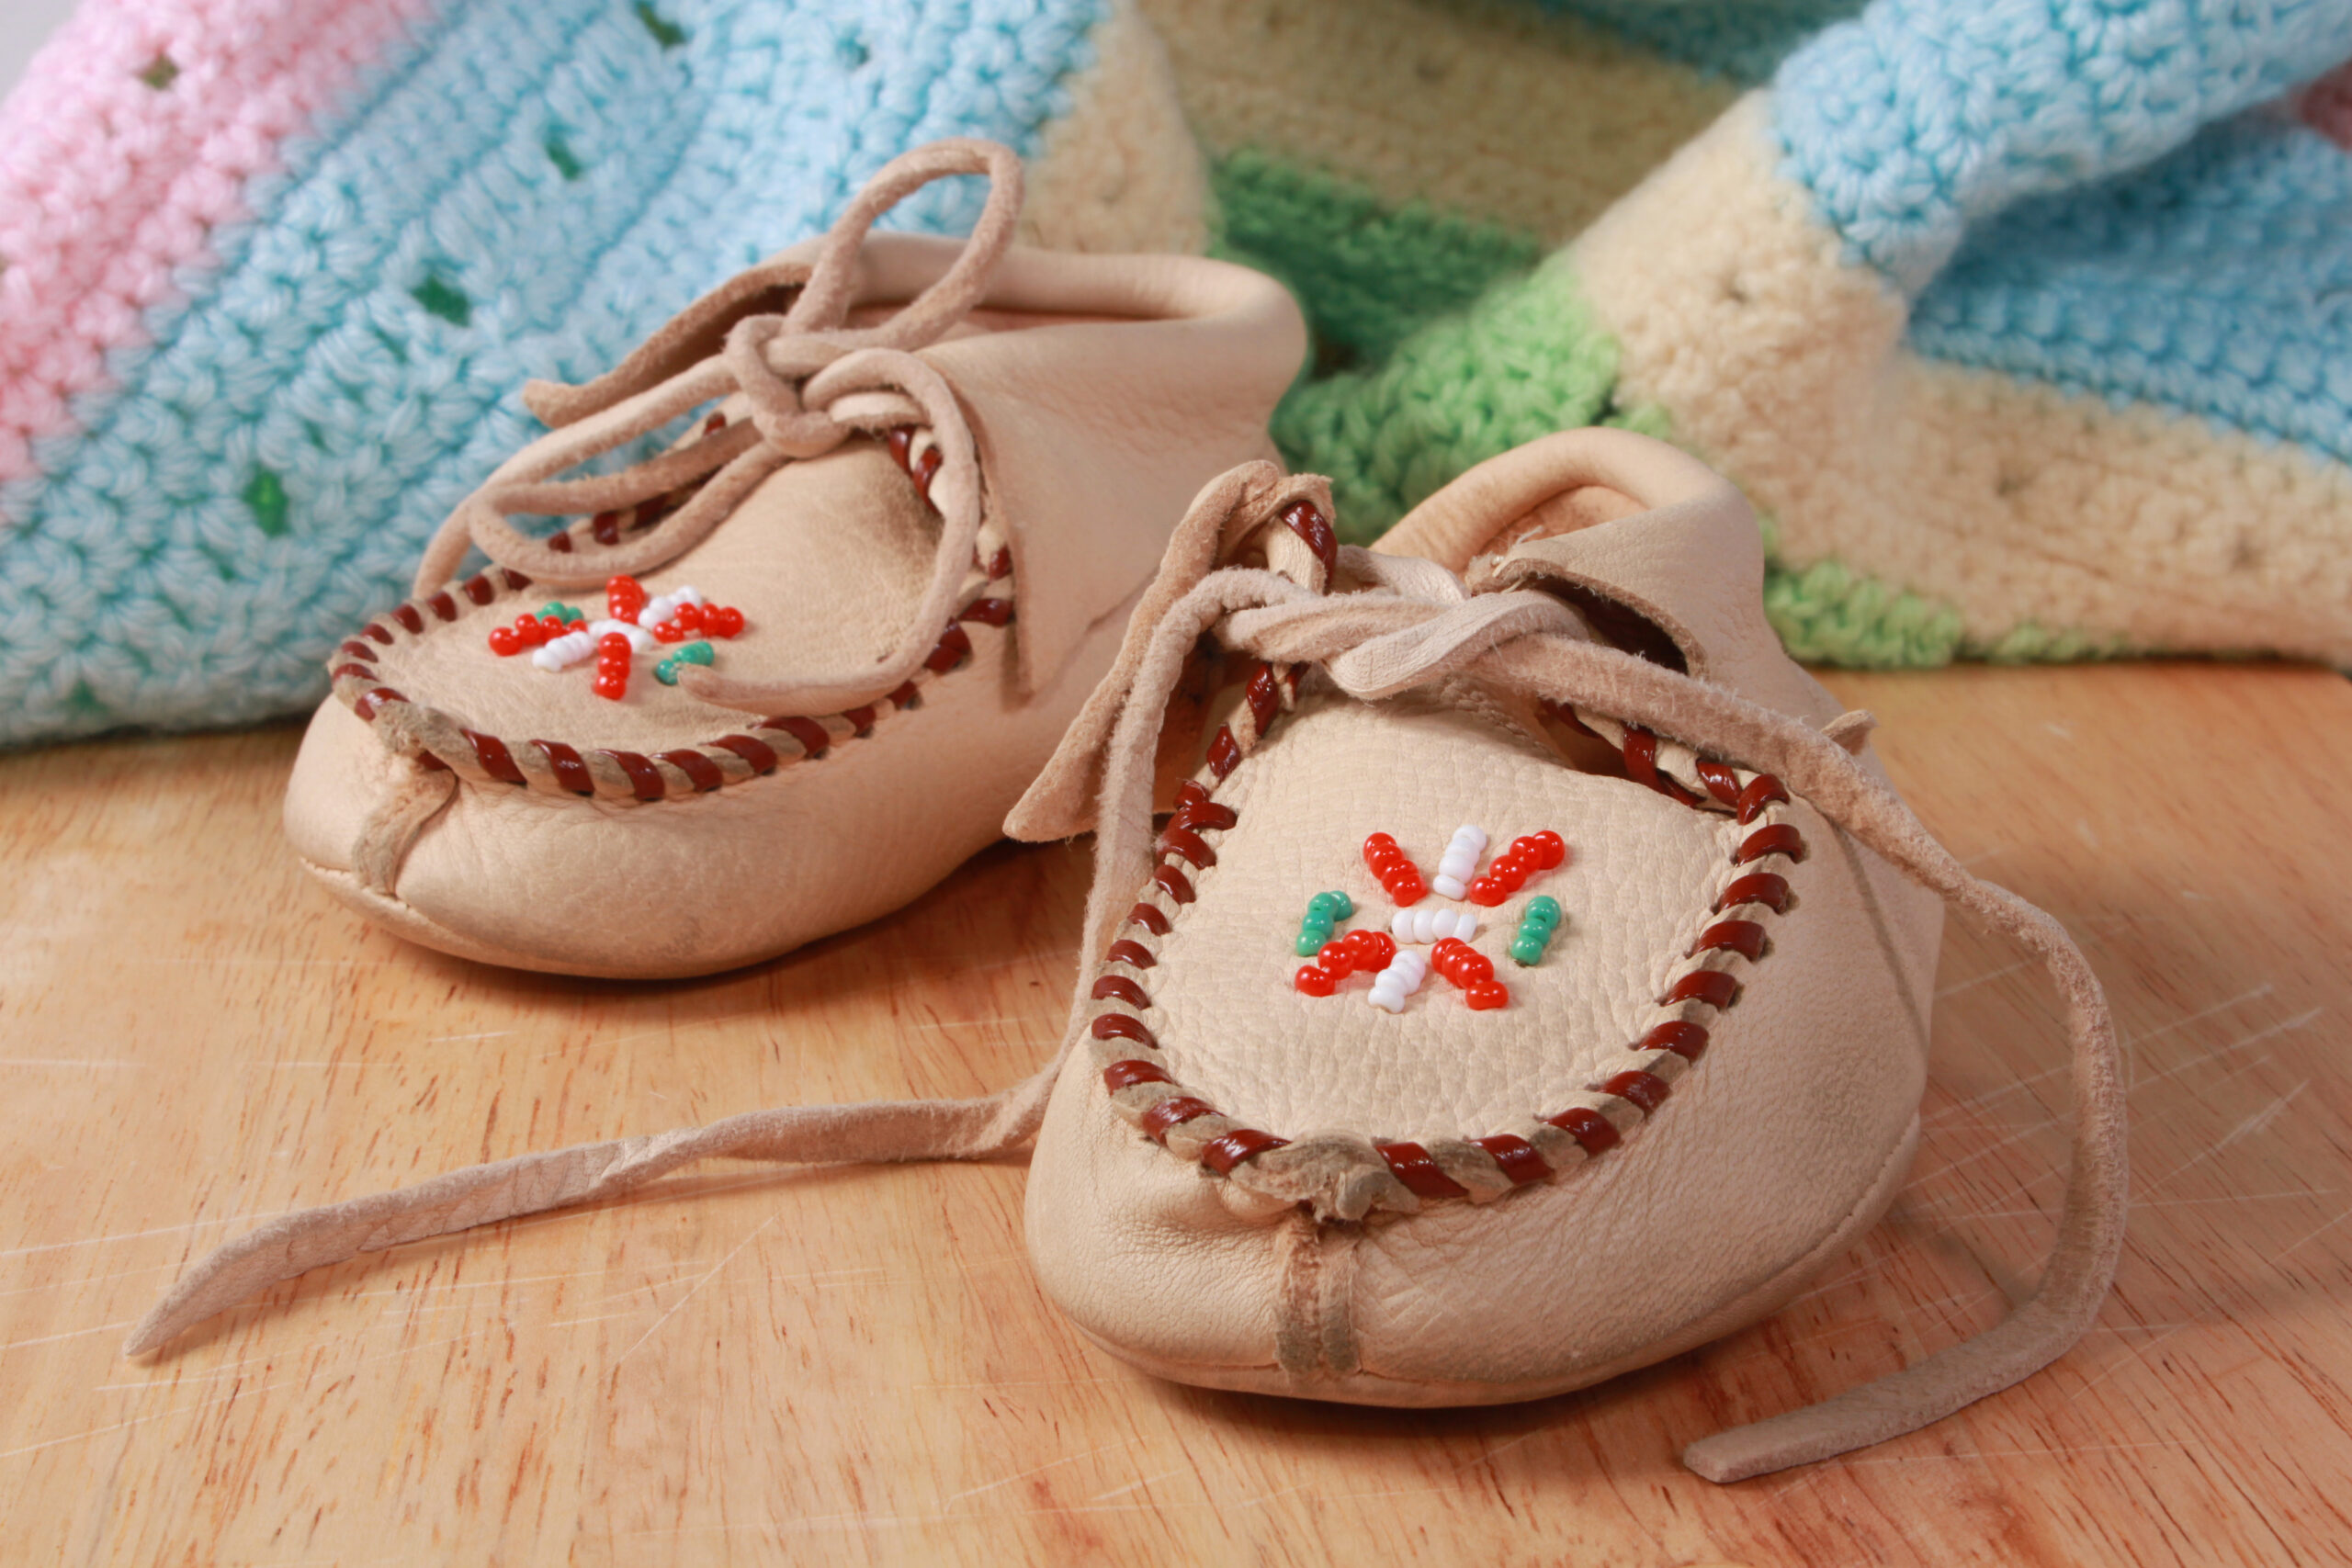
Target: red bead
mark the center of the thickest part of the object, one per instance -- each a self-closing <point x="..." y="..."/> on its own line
<point x="551" y="629"/>
<point x="612" y="687"/>
<point x="1487" y="891"/>
<point x="1530" y="850"/>
<point x="505" y="642"/>
<point x="1487" y="994"/>
<point x="688" y="615"/>
<point x="1473" y="967"/>
<point x="723" y="622"/>
<point x="1509" y="872"/>
<point x="1335" y="957"/>
<point x="1378" y="850"/>
<point x="1406" y="888"/>
<point x="1314" y="982"/>
<point x="1555" y="849"/>
<point x="670" y="631"/>
<point x="613" y="642"/>
<point x="1371" y="950"/>
<point x="624" y="596"/>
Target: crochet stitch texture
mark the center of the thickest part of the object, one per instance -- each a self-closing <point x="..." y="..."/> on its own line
<point x="2119" y="201"/>
<point x="2027" y="333"/>
<point x="330" y="317"/>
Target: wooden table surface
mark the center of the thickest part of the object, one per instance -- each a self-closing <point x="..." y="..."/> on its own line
<point x="817" y="1365"/>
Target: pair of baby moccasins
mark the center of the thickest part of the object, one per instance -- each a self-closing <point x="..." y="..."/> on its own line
<point x="1505" y="968"/>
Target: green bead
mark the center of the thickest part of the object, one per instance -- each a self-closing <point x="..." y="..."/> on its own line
<point x="1527" y="950"/>
<point x="666" y="671"/>
<point x="561" y="611"/>
<point x="1330" y="906"/>
<point x="1543" y="907"/>
<point x="1311" y="940"/>
<point x="693" y="653"/>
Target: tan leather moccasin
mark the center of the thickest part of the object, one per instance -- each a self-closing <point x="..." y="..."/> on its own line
<point x="1531" y="983"/>
<point x="782" y="677"/>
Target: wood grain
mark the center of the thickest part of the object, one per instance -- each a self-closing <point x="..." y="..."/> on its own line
<point x="854" y="1365"/>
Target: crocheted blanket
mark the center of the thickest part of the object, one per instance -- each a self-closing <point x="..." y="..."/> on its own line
<point x="2025" y="326"/>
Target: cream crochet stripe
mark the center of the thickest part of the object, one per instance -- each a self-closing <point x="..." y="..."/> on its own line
<point x="2029" y="510"/>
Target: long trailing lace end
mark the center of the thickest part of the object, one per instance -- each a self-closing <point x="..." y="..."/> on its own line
<point x="878" y="1132"/>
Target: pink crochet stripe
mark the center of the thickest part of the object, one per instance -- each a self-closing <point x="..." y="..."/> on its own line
<point x="2326" y="106"/>
<point x="109" y="184"/>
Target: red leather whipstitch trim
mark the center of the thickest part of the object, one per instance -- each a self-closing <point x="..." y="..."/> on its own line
<point x="680" y="773"/>
<point x="1266" y="693"/>
<point x="1697" y="993"/>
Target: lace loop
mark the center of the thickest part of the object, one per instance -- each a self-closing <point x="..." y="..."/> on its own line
<point x="811" y="380"/>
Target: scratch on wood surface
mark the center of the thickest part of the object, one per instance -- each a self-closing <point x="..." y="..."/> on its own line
<point x="1970" y="984"/>
<point x="1498" y="1449"/>
<point x="1976" y="1101"/>
<point x="2309" y="1237"/>
<point x="2271" y="1031"/>
<point x="2230" y="1198"/>
<point x="2134" y="1355"/>
<point x="1051" y="1465"/>
<point x="69" y="1334"/>
<point x="1134" y="1486"/>
<point x="125" y="1425"/>
<point x="135" y="1236"/>
<point x="715" y="1271"/>
<point x="46" y="1286"/>
<point x="2243" y="1130"/>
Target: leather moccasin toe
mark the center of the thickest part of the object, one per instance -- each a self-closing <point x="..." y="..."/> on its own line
<point x="784" y="676"/>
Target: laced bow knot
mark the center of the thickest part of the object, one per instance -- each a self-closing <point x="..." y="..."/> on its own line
<point x="771" y="366"/>
<point x="812" y="382"/>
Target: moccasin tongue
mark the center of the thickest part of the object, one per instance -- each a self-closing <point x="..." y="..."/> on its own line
<point x="1662" y="554"/>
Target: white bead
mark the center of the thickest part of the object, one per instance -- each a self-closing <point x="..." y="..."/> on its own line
<point x="1469" y="837"/>
<point x="1400" y="925"/>
<point x="563" y="652"/>
<point x="1462" y="925"/>
<point x="1382" y="996"/>
<point x="1447" y="887"/>
<point x="662" y="606"/>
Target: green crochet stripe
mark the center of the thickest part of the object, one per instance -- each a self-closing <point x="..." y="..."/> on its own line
<point x="1525" y="359"/>
<point x="1827" y="615"/>
<point x="1466" y="354"/>
<point x="1366" y="275"/>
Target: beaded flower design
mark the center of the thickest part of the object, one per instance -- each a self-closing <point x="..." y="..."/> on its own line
<point x="1392" y="958"/>
<point x="561" y="636"/>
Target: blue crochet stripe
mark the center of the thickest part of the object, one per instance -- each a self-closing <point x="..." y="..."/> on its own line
<point x="1923" y="117"/>
<point x="2217" y="282"/>
<point x="536" y="186"/>
<point x="1740" y="40"/>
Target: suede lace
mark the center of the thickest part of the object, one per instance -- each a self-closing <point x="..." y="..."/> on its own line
<point x="1399" y="625"/>
<point x="812" y="382"/>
